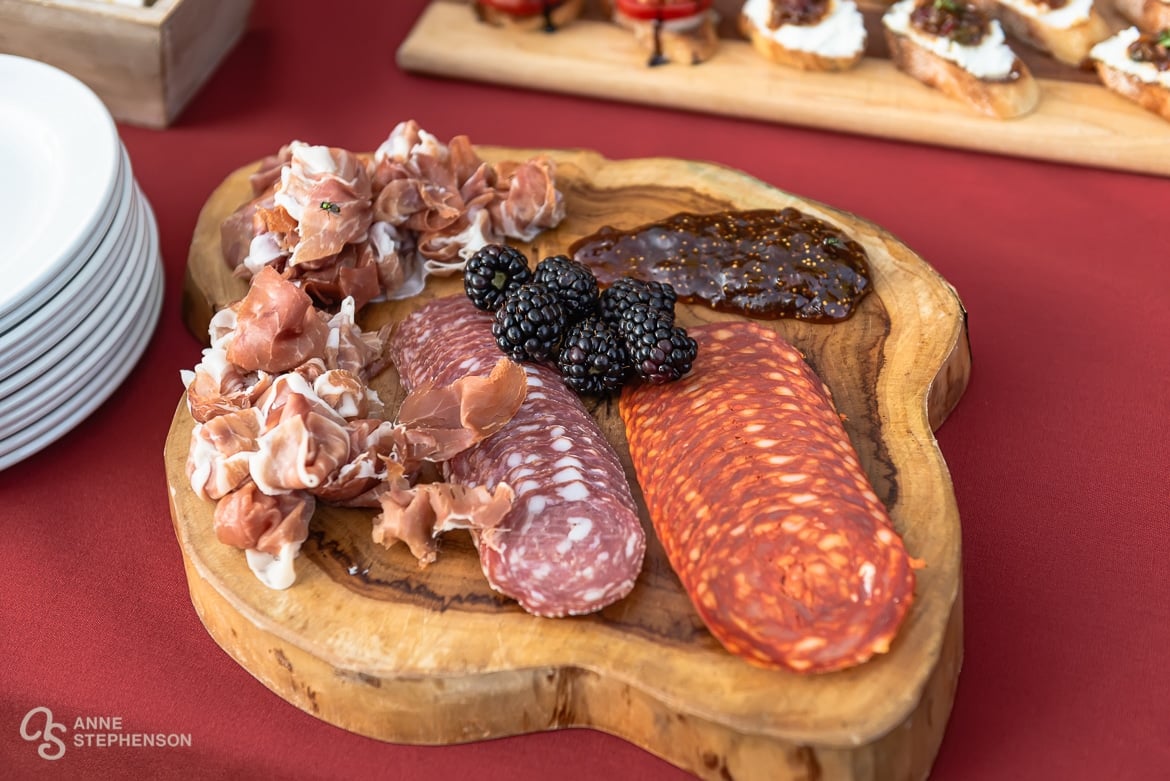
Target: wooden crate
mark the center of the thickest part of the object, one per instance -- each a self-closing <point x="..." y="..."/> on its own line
<point x="145" y="62"/>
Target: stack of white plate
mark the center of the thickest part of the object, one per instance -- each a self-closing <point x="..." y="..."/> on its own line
<point x="81" y="280"/>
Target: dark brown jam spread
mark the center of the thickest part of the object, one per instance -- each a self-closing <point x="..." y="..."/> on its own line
<point x="962" y="22"/>
<point x="1153" y="48"/>
<point x="1052" y="5"/>
<point x="797" y="12"/>
<point x="765" y="264"/>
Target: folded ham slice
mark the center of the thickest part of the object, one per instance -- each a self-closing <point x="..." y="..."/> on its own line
<point x="277" y="327"/>
<point x="270" y="529"/>
<point x="342" y="225"/>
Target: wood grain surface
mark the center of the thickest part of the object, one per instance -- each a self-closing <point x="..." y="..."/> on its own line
<point x="368" y="641"/>
<point x="1077" y="119"/>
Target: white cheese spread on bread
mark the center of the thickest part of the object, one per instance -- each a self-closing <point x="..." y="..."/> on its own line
<point x="1113" y="53"/>
<point x="991" y="59"/>
<point x="841" y="33"/>
<point x="1073" y="13"/>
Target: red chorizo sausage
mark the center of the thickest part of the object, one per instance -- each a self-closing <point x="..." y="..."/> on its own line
<point x="762" y="506"/>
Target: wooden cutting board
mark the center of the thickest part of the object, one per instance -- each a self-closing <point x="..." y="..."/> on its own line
<point x="369" y="642"/>
<point x="1077" y="120"/>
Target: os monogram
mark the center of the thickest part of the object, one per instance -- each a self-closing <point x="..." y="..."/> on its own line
<point x="52" y="746"/>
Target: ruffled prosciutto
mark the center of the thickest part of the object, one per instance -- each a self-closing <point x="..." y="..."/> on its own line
<point x="267" y="173"/>
<point x="327" y="191"/>
<point x="346" y="394"/>
<point x="303" y="440"/>
<point x="219" y="387"/>
<point x="530" y="201"/>
<point x="418" y="515"/>
<point x="219" y="458"/>
<point x="444" y="421"/>
<point x="343" y="227"/>
<point x="349" y="348"/>
<point x="438" y="191"/>
<point x="238" y="230"/>
<point x="269" y="528"/>
<point x="277" y="327"/>
<point x="374" y="462"/>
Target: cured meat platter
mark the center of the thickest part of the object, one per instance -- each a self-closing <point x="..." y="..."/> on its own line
<point x="1077" y="120"/>
<point x="369" y="641"/>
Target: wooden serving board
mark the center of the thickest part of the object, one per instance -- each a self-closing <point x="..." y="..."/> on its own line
<point x="368" y="641"/>
<point x="1077" y="120"/>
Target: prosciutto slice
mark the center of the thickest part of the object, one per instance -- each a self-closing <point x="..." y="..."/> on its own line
<point x="327" y="191"/>
<point x="418" y="515"/>
<point x="269" y="444"/>
<point x="270" y="529"/>
<point x="530" y="201"/>
<point x="277" y="327"/>
<point x="343" y="226"/>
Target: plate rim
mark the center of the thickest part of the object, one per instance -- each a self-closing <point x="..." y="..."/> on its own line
<point x="89" y="134"/>
<point x="118" y="302"/>
<point x="50" y="428"/>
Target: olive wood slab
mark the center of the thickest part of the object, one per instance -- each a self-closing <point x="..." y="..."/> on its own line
<point x="367" y="641"/>
<point x="1077" y="120"/>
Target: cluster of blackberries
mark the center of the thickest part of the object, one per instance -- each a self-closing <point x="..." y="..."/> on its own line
<point x="598" y="339"/>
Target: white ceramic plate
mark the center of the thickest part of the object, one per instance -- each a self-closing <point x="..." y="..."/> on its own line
<point x="59" y="151"/>
<point x="127" y="263"/>
<point x="85" y="286"/>
<point x="38" y="390"/>
<point x="35" y="299"/>
<point x="104" y="381"/>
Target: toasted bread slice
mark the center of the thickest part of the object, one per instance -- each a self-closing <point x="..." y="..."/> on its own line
<point x="559" y="16"/>
<point x="1067" y="43"/>
<point x="1013" y="96"/>
<point x="770" y="46"/>
<point x="1149" y="16"/>
<point x="690" y="41"/>
<point x="1120" y="75"/>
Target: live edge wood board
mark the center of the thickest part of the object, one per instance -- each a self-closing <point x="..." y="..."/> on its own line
<point x="368" y="641"/>
<point x="1077" y="120"/>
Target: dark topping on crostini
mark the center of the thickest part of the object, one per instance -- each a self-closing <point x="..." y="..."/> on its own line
<point x="799" y="12"/>
<point x="961" y="22"/>
<point x="1153" y="48"/>
<point x="1051" y="5"/>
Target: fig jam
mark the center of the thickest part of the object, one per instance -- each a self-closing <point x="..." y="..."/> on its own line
<point x="957" y="20"/>
<point x="1152" y="48"/>
<point x="766" y="264"/>
<point x="798" y="12"/>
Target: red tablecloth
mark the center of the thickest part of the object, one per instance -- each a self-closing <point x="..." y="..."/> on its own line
<point x="1058" y="450"/>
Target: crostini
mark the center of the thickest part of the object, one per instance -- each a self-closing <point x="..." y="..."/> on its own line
<point x="545" y="15"/>
<point x="1149" y="16"/>
<point x="1136" y="65"/>
<point x="954" y="47"/>
<point x="822" y="35"/>
<point x="1064" y="29"/>
<point x="671" y="30"/>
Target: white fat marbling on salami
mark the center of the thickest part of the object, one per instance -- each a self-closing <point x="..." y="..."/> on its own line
<point x="573" y="542"/>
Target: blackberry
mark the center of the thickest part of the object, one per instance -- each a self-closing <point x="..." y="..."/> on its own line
<point x="626" y="291"/>
<point x="529" y="324"/>
<point x="659" y="350"/>
<point x="573" y="283"/>
<point x="492" y="272"/>
<point x="593" y="360"/>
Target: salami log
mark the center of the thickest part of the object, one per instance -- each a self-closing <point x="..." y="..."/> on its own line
<point x="763" y="508"/>
<point x="572" y="542"/>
